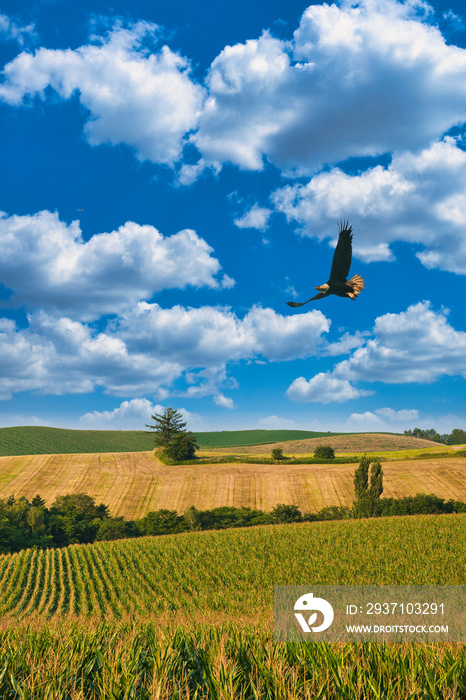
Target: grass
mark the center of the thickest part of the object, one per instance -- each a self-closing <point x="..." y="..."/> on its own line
<point x="134" y="483"/>
<point x="190" y="616"/>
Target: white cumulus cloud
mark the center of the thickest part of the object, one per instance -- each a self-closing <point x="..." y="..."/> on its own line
<point x="399" y="86"/>
<point x="48" y="264"/>
<point x="419" y="198"/>
<point x="323" y="388"/>
<point x="135" y="93"/>
<point x="383" y="419"/>
<point x="11" y="29"/>
<point x="129" y="415"/>
<point x="256" y="217"/>
<point x="223" y="401"/>
<point x="148" y="349"/>
<point x="416" y="345"/>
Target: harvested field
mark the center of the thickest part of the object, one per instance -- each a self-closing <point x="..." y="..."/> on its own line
<point x="349" y="444"/>
<point x="134" y="483"/>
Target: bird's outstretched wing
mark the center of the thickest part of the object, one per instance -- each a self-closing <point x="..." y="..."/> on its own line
<point x="342" y="256"/>
<point x="294" y="304"/>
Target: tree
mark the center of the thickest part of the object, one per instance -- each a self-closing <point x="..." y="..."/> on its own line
<point x="277" y="453"/>
<point x="161" y="522"/>
<point x="367" y="503"/>
<point x="324" y="452"/>
<point x="457" y="437"/>
<point x="181" y="447"/>
<point x="167" y="425"/>
<point x="283" y="513"/>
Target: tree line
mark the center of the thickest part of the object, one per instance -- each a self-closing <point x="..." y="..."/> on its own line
<point x="456" y="437"/>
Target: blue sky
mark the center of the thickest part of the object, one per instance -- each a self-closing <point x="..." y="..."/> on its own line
<point x="173" y="173"/>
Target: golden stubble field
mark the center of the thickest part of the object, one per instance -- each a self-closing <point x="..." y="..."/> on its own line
<point x="134" y="483"/>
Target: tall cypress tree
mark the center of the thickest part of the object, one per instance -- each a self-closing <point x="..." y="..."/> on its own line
<point x="361" y="478"/>
<point x="367" y="503"/>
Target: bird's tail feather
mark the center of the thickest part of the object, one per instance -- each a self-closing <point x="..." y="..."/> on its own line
<point x="357" y="283"/>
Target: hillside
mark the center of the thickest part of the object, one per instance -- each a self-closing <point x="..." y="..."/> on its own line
<point x="349" y="443"/>
<point x="134" y="483"/>
<point x="233" y="438"/>
<point x="28" y="440"/>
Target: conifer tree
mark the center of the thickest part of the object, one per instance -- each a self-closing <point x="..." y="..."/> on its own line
<point x="166" y="426"/>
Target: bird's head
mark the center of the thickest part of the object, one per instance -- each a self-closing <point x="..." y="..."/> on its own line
<point x="322" y="288"/>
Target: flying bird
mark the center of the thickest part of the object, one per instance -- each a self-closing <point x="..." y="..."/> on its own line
<point x="337" y="283"/>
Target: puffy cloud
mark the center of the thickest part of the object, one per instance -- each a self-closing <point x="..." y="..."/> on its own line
<point x="135" y="94"/>
<point x="60" y="356"/>
<point x="223" y="401"/>
<point x="47" y="264"/>
<point x="130" y="414"/>
<point x="148" y="349"/>
<point x="323" y="388"/>
<point x="256" y="217"/>
<point x="399" y="86"/>
<point x="419" y="198"/>
<point x="209" y="336"/>
<point x="416" y="345"/>
<point x="276" y="423"/>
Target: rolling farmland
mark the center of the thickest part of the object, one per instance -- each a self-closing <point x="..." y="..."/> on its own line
<point x="189" y="616"/>
<point x="27" y="440"/>
<point x="215" y="575"/>
<point x="134" y="483"/>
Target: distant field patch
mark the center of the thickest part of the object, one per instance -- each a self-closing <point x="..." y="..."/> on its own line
<point x="233" y="438"/>
<point x="134" y="483"/>
<point x="350" y="443"/>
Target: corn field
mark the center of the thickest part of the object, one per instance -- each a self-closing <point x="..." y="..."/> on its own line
<point x="190" y="615"/>
<point x="231" y="572"/>
<point x="117" y="661"/>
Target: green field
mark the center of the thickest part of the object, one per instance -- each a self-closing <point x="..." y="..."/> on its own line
<point x="28" y="440"/>
<point x="190" y="616"/>
<point x="236" y="438"/>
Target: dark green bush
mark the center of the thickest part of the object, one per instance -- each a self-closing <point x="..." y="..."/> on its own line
<point x="181" y="447"/>
<point x="324" y="452"/>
